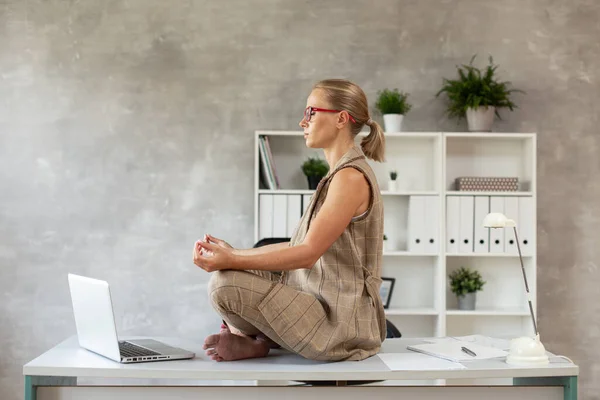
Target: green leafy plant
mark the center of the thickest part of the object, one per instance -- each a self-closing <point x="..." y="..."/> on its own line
<point x="475" y="88"/>
<point x="315" y="166"/>
<point x="465" y="280"/>
<point x="385" y="237"/>
<point x="393" y="175"/>
<point x="392" y="102"/>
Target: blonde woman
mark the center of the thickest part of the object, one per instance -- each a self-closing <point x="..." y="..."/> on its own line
<point x="318" y="295"/>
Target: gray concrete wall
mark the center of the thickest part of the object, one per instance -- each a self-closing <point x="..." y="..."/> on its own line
<point x="126" y="130"/>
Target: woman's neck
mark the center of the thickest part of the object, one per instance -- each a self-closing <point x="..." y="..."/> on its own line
<point x="337" y="150"/>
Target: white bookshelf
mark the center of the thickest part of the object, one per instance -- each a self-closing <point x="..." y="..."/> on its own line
<point x="427" y="165"/>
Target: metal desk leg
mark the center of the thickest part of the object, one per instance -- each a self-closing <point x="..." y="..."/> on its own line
<point x="569" y="383"/>
<point x="32" y="382"/>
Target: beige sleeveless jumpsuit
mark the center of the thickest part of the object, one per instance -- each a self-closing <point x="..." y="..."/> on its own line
<point x="330" y="312"/>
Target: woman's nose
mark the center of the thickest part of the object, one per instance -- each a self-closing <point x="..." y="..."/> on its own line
<point x="302" y="123"/>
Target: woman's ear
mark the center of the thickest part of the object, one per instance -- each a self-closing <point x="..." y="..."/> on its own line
<point x="342" y="119"/>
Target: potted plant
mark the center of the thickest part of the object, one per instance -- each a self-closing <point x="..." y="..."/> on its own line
<point x="385" y="242"/>
<point x="465" y="283"/>
<point x="392" y="187"/>
<point x="478" y="95"/>
<point x="393" y="105"/>
<point x="314" y="169"/>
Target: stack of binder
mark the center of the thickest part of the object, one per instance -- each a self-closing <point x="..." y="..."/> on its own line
<point x="465" y="232"/>
<point x="423" y="224"/>
<point x="279" y="214"/>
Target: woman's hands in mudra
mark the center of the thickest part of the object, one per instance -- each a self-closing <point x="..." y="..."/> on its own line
<point x="213" y="254"/>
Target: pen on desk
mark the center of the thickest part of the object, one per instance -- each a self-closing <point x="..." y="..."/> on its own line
<point x="469" y="352"/>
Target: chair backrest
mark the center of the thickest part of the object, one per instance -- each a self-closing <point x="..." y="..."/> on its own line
<point x="270" y="240"/>
<point x="392" y="331"/>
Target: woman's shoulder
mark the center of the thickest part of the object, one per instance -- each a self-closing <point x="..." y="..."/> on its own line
<point x="350" y="176"/>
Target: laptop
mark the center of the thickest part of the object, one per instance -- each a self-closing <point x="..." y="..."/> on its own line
<point x="97" y="332"/>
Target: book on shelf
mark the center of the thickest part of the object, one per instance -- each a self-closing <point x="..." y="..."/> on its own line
<point x="269" y="177"/>
<point x="271" y="162"/>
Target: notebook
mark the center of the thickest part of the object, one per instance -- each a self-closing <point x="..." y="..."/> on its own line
<point x="452" y="350"/>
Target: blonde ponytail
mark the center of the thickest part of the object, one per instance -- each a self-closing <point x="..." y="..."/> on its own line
<point x="373" y="145"/>
<point x="345" y="95"/>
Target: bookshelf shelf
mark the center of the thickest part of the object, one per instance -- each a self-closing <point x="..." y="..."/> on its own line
<point x="428" y="164"/>
<point x="286" y="191"/>
<point x="411" y="311"/>
<point x="409" y="193"/>
<point x="407" y="254"/>
<point x="383" y="192"/>
<point x="485" y="255"/>
<point x="506" y="194"/>
<point x="489" y="312"/>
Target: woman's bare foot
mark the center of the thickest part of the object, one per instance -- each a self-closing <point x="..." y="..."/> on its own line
<point x="226" y="346"/>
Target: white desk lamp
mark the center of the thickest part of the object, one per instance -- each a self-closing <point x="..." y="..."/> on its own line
<point x="523" y="350"/>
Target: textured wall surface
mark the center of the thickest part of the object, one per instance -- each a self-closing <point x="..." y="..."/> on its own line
<point x="126" y="130"/>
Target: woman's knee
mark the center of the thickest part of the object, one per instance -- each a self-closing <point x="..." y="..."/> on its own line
<point x="220" y="286"/>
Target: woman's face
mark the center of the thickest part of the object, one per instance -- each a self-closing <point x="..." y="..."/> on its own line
<point x="321" y="130"/>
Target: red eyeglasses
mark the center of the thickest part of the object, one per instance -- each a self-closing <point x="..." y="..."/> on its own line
<point x="309" y="112"/>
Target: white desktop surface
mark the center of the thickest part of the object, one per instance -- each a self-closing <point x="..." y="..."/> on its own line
<point x="68" y="359"/>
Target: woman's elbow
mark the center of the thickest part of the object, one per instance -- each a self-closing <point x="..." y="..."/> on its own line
<point x="309" y="264"/>
<point x="312" y="257"/>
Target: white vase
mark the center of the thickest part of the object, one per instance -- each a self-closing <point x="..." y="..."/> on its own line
<point x="392" y="185"/>
<point x="481" y="119"/>
<point x="393" y="122"/>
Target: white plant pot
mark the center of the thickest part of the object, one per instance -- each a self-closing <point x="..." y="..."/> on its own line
<point x="393" y="122"/>
<point x="480" y="119"/>
<point x="467" y="302"/>
<point x="392" y="186"/>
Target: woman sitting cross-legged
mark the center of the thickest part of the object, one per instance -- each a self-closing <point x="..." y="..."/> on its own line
<point x="318" y="295"/>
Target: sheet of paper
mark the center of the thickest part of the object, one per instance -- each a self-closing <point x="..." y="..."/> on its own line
<point x="452" y="350"/>
<point x="416" y="362"/>
<point x="502" y="344"/>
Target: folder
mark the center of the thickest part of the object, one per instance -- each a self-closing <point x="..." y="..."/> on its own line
<point x="416" y="222"/>
<point x="481" y="242"/>
<point x="497" y="234"/>
<point x="279" y="215"/>
<point x="265" y="216"/>
<point x="526" y="229"/>
<point x="465" y="244"/>
<point x="452" y="223"/>
<point x="294" y="211"/>
<point x="452" y="350"/>
<point x="265" y="164"/>
<point x="306" y="199"/>
<point x="431" y="224"/>
<point x="511" y="210"/>
<point x="271" y="162"/>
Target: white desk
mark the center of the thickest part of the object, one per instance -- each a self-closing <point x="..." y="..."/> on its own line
<point x="53" y="375"/>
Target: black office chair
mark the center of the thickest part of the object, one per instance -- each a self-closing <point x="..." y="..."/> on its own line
<point x="392" y="331"/>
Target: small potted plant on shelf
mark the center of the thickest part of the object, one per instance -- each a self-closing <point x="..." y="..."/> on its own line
<point x="478" y="95"/>
<point x="385" y="242"/>
<point x="314" y="169"/>
<point x="465" y="283"/>
<point x="393" y="105"/>
<point x="392" y="186"/>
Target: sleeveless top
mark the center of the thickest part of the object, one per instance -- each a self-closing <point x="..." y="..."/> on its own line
<point x="346" y="320"/>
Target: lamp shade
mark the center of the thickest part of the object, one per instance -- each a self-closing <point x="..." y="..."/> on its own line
<point x="497" y="220"/>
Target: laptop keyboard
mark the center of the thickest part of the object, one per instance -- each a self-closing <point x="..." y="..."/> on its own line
<point x="131" y="350"/>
